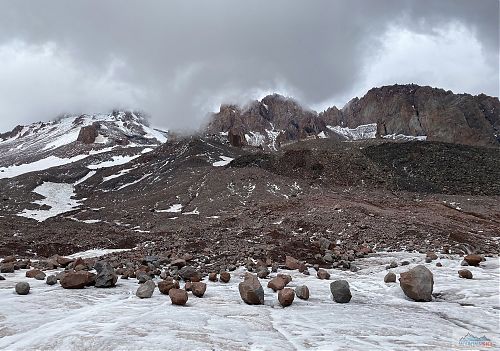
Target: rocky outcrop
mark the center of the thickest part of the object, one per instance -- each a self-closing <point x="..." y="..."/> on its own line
<point x="397" y="110"/>
<point x="88" y="134"/>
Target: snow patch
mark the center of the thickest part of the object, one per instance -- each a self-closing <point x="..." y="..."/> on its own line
<point x="172" y="209"/>
<point x="225" y="160"/>
<point x="365" y="131"/>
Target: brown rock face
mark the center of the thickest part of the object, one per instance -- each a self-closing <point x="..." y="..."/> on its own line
<point x="88" y="134"/>
<point x="286" y="296"/>
<point x="178" y="296"/>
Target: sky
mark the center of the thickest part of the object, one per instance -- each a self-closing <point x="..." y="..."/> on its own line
<point x="178" y="60"/>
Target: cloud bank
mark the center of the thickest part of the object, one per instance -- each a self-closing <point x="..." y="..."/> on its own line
<point x="179" y="60"/>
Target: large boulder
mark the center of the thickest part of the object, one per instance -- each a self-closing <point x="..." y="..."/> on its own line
<point x="189" y="273"/>
<point x="251" y="290"/>
<point x="286" y="296"/>
<point x="293" y="263"/>
<point x="390" y="278"/>
<point x="106" y="276"/>
<point x="76" y="280"/>
<point x="145" y="291"/>
<point x="32" y="273"/>
<point x="165" y="285"/>
<point x="8" y="267"/>
<point x="198" y="289"/>
<point x="22" y="288"/>
<point x="417" y="283"/>
<point x="178" y="296"/>
<point x="473" y="260"/>
<point x="341" y="292"/>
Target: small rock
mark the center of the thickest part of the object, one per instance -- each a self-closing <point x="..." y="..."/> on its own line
<point x="51" y="280"/>
<point x="165" y="285"/>
<point x="178" y="296"/>
<point x="262" y="272"/>
<point x="75" y="280"/>
<point x="431" y="255"/>
<point x="390" y="278"/>
<point x="198" y="289"/>
<point x="465" y="273"/>
<point x="212" y="277"/>
<point x="277" y="283"/>
<point x="187" y="286"/>
<point x="225" y="277"/>
<point x="417" y="283"/>
<point x="405" y="263"/>
<point x="32" y="273"/>
<point x="293" y="263"/>
<point x="106" y="276"/>
<point x="178" y="263"/>
<point x="439" y="264"/>
<point x="464" y="263"/>
<point x="40" y="276"/>
<point x="2" y="277"/>
<point x="142" y="277"/>
<point x="341" y="292"/>
<point x="22" y="288"/>
<point x="286" y="277"/>
<point x="189" y="273"/>
<point x="251" y="291"/>
<point x="302" y="292"/>
<point x="323" y="274"/>
<point x="354" y="268"/>
<point x="231" y="267"/>
<point x="393" y="264"/>
<point x="428" y="260"/>
<point x="286" y="296"/>
<point x="473" y="260"/>
<point x="145" y="291"/>
<point x="8" y="267"/>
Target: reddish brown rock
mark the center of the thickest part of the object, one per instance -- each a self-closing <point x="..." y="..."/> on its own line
<point x="286" y="297"/>
<point x="178" y="296"/>
<point x="465" y="273"/>
<point x="76" y="280"/>
<point x="212" y="277"/>
<point x="225" y="277"/>
<point x="188" y="286"/>
<point x="417" y="283"/>
<point x="293" y="263"/>
<point x="198" y="289"/>
<point x="32" y="273"/>
<point x="88" y="134"/>
<point x="277" y="283"/>
<point x="165" y="285"/>
<point x="251" y="291"/>
<point x="473" y="260"/>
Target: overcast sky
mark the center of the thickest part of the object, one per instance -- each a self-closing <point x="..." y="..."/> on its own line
<point x="180" y="59"/>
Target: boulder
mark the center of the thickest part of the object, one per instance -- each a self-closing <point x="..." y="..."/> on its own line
<point x="212" y="277"/>
<point x="431" y="256"/>
<point x="286" y="296"/>
<point x="8" y="267"/>
<point x="76" y="280"/>
<point x="473" y="260"/>
<point x="390" y="278"/>
<point x="178" y="296"/>
<point x="277" y="283"/>
<point x="417" y="283"/>
<point x="33" y="272"/>
<point x="22" y="288"/>
<point x="106" y="276"/>
<point x="251" y="290"/>
<point x="165" y="285"/>
<point x="225" y="277"/>
<point x="51" y="280"/>
<point x="40" y="276"/>
<point x="323" y="274"/>
<point x="340" y="290"/>
<point x="145" y="291"/>
<point x="302" y="292"/>
<point x="198" y="289"/>
<point x="293" y="263"/>
<point x="465" y="273"/>
<point x="189" y="273"/>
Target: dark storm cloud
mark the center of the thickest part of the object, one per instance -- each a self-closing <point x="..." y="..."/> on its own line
<point x="177" y="60"/>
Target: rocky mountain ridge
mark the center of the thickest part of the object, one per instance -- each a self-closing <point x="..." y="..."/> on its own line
<point x="399" y="112"/>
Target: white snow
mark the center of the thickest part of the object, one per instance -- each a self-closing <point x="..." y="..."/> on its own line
<point x="134" y="182"/>
<point x="365" y="131"/>
<point x="322" y="135"/>
<point x="59" y="196"/>
<point x="95" y="253"/>
<point x="67" y="138"/>
<point x="225" y="161"/>
<point x="116" y="161"/>
<point x="174" y="208"/>
<point x="379" y="316"/>
<point x="117" y="175"/>
<point x="403" y="137"/>
<point x="45" y="163"/>
<point x="193" y="212"/>
<point x="87" y="176"/>
<point x="255" y="139"/>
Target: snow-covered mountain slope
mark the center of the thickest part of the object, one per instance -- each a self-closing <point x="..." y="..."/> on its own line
<point x="40" y="146"/>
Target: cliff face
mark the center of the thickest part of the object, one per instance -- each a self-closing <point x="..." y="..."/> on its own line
<point x="408" y="110"/>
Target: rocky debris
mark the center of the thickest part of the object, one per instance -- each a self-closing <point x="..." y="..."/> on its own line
<point x="63" y="261"/>
<point x="277" y="283"/>
<point x="251" y="290"/>
<point x="465" y="273"/>
<point x="51" y="280"/>
<point x="286" y="296"/>
<point x="189" y="273"/>
<point x="340" y="290"/>
<point x="142" y="277"/>
<point x="417" y="283"/>
<point x="293" y="263"/>
<point x="106" y="276"/>
<point x="390" y="278"/>
<point x="302" y="292"/>
<point x="145" y="291"/>
<point x="431" y="255"/>
<point x="323" y="274"/>
<point x="22" y="288"/>
<point x="178" y="296"/>
<point x="473" y="260"/>
<point x="165" y="285"/>
<point x="8" y="267"/>
<point x="76" y="280"/>
<point x="212" y="277"/>
<point x="198" y="289"/>
<point x="179" y="263"/>
<point x="225" y="277"/>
